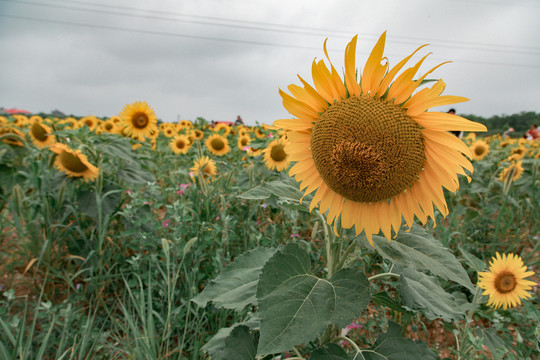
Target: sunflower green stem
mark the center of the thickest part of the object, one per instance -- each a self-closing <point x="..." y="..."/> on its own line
<point x="461" y="339"/>
<point x="376" y="276"/>
<point x="344" y="338"/>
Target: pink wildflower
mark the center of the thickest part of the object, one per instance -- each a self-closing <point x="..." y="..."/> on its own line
<point x="166" y="223"/>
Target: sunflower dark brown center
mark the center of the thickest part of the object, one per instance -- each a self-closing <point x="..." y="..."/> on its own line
<point x="277" y="153"/>
<point x="217" y="144"/>
<point x="39" y="132"/>
<point x="479" y="150"/>
<point x="367" y="150"/>
<point x="139" y="120"/>
<point x="72" y="162"/>
<point x="244" y="141"/>
<point x="180" y="144"/>
<point x="505" y="282"/>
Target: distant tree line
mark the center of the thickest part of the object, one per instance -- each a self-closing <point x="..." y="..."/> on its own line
<point x="521" y="122"/>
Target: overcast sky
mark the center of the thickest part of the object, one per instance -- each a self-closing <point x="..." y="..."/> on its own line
<point x="222" y="58"/>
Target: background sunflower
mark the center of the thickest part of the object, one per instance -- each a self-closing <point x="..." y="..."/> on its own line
<point x="217" y="144"/>
<point x="505" y="282"/>
<point x="139" y="119"/>
<point x="73" y="162"/>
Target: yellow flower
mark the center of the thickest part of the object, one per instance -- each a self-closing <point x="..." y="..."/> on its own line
<point x="275" y="156"/>
<point x="206" y="165"/>
<point x="111" y="127"/>
<point x="505" y="281"/>
<point x="169" y="132"/>
<point x="217" y="144"/>
<point x="197" y="134"/>
<point x="40" y="133"/>
<point x="139" y="120"/>
<point x="11" y="136"/>
<point x="222" y="127"/>
<point x="369" y="148"/>
<point x="518" y="153"/>
<point x="243" y="141"/>
<point x="91" y="121"/>
<point x="259" y="133"/>
<point x="180" y="144"/>
<point x="73" y="162"/>
<point x="512" y="172"/>
<point x="479" y="149"/>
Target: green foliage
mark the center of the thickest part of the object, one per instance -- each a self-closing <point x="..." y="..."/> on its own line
<point x="418" y="249"/>
<point x="236" y="285"/>
<point x="295" y="306"/>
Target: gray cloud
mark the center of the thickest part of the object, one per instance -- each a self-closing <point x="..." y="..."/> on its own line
<point x="84" y="70"/>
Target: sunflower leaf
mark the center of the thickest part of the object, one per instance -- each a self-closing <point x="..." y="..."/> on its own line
<point x="423" y="292"/>
<point x="217" y="345"/>
<point x="285" y="190"/>
<point x="420" y="250"/>
<point x="296" y="306"/>
<point x="391" y="345"/>
<point x="235" y="286"/>
<point x="330" y="352"/>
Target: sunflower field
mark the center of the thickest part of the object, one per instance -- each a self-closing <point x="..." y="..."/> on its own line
<point x="324" y="236"/>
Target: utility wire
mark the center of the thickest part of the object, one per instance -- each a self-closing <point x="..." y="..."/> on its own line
<point x="249" y="42"/>
<point x="277" y="27"/>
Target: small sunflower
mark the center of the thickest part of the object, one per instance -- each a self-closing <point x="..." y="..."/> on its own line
<point x="11" y="136"/>
<point x="205" y="165"/>
<point x="217" y="144"/>
<point x="169" y="132"/>
<point x="20" y="120"/>
<point x="369" y="148"/>
<point x="180" y="144"/>
<point x="73" y="162"/>
<point x="91" y="121"/>
<point x="186" y="123"/>
<point x="254" y="151"/>
<point x="41" y="134"/>
<point x="197" y="134"/>
<point x="259" y="133"/>
<point x="512" y="172"/>
<point x="518" y="153"/>
<point x="243" y="141"/>
<point x="139" y="119"/>
<point x="479" y="149"/>
<point x="275" y="157"/>
<point x="117" y="120"/>
<point x="505" y="281"/>
<point x="111" y="127"/>
<point x="222" y="127"/>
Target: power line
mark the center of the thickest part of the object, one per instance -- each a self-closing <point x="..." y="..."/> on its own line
<point x="249" y="42"/>
<point x="280" y="28"/>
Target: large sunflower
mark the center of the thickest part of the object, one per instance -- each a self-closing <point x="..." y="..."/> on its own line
<point x="505" y="281"/>
<point x="41" y="134"/>
<point x="73" y="162"/>
<point x="205" y="165"/>
<point x="217" y="144"/>
<point x="479" y="149"/>
<point x="275" y="156"/>
<point x="369" y="148"/>
<point x="139" y="119"/>
<point x="180" y="144"/>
